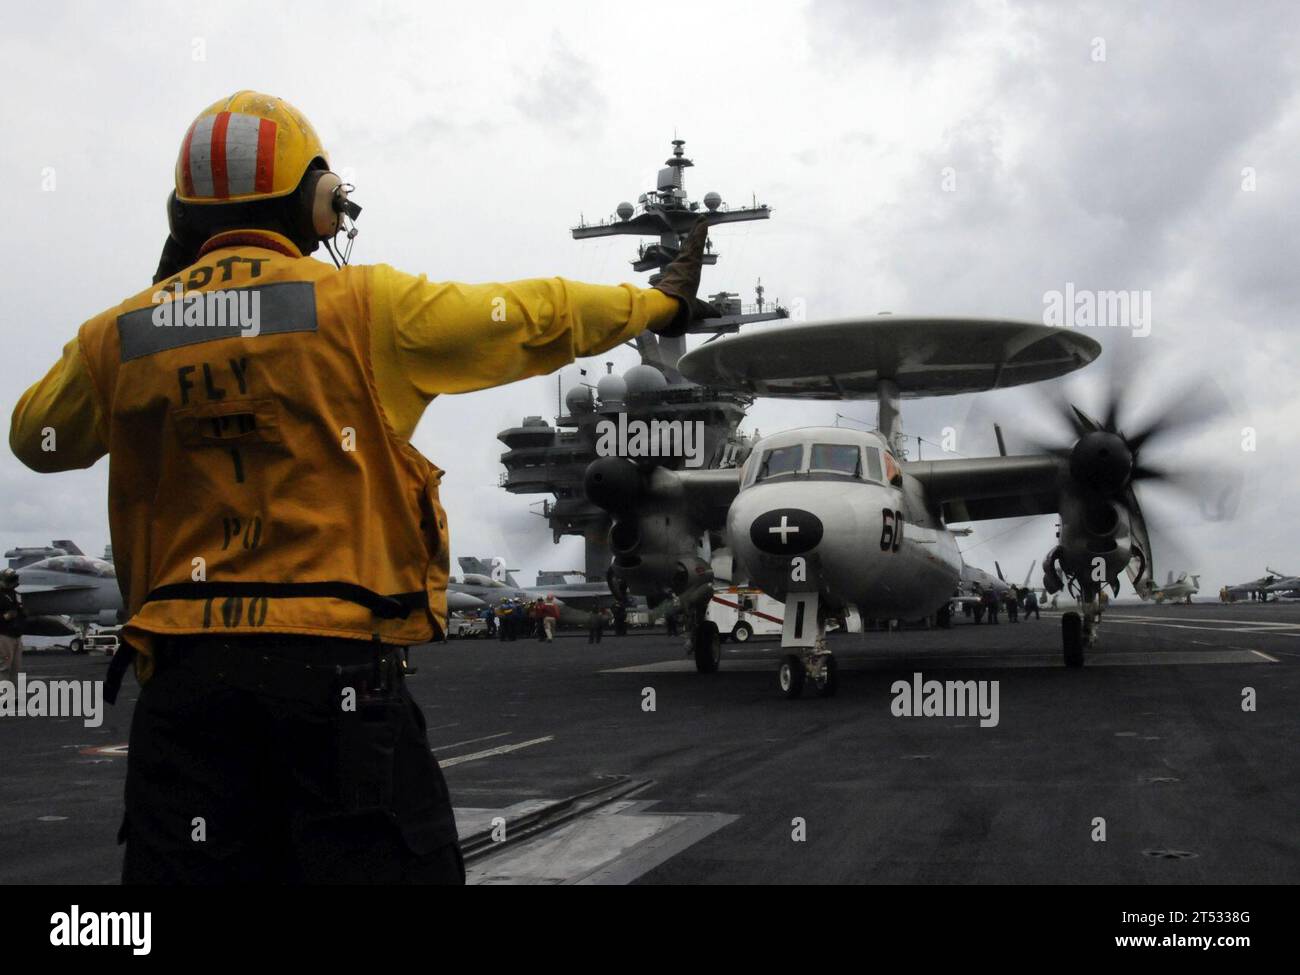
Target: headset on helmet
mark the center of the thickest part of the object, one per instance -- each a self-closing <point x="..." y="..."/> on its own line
<point x="252" y="148"/>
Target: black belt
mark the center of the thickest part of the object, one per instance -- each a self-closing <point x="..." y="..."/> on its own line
<point x="370" y="663"/>
<point x="395" y="606"/>
<point x="391" y="607"/>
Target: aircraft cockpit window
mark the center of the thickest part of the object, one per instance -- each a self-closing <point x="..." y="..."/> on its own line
<point x="836" y="458"/>
<point x="780" y="460"/>
<point x="874" y="472"/>
<point x="76" y="565"/>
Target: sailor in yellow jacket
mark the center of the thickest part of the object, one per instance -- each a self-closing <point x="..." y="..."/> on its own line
<point x="278" y="539"/>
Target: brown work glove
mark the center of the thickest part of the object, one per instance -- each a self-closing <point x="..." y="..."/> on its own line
<point x="681" y="280"/>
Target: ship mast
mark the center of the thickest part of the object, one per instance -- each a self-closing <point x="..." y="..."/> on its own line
<point x="552" y="460"/>
<point x="667" y="213"/>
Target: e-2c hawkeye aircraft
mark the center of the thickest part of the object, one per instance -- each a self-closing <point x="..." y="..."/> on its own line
<point x="835" y="524"/>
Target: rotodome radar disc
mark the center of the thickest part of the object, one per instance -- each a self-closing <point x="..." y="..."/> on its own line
<point x="847" y="358"/>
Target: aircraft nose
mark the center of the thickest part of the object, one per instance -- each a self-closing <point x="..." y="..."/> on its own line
<point x="786" y="531"/>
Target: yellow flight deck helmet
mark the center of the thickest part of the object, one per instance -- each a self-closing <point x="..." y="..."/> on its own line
<point x="249" y="146"/>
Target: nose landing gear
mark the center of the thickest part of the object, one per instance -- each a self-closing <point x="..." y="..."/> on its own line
<point x="791" y="676"/>
<point x="805" y="632"/>
<point x="815" y="666"/>
<point x="1079" y="632"/>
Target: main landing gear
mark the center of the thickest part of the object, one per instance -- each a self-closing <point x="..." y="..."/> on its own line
<point x="706" y="647"/>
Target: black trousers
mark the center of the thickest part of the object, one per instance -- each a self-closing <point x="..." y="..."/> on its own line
<point x="283" y="760"/>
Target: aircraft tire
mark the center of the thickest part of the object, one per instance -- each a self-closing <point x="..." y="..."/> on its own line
<point x="1072" y="639"/>
<point x="742" y="632"/>
<point x="830" y="682"/>
<point x="707" y="645"/>
<point x="791" y="676"/>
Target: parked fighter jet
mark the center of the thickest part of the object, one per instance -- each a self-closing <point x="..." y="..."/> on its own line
<point x="833" y="523"/>
<point x="975" y="581"/>
<point x="69" y="587"/>
<point x="1262" y="587"/>
<point x="1183" y="588"/>
<point x="493" y="569"/>
<point x="1283" y="586"/>
<point x="476" y="589"/>
<point x="27" y="554"/>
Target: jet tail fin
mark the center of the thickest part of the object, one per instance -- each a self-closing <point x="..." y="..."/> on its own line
<point x="494" y="568"/>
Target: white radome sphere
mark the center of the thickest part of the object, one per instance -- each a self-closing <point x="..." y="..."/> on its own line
<point x="579" y="399"/>
<point x="611" y="389"/>
<point x="644" y="379"/>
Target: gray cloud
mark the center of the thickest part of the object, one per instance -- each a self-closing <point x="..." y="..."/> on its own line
<point x="478" y="134"/>
<point x="563" y="93"/>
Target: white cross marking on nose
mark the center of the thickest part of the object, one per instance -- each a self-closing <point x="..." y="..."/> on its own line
<point x="783" y="529"/>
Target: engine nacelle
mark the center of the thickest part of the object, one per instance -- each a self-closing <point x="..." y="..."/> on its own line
<point x="655" y="556"/>
<point x="614" y="483"/>
<point x="108" y="617"/>
<point x="1096" y="540"/>
<point x="653" y="538"/>
<point x="690" y="576"/>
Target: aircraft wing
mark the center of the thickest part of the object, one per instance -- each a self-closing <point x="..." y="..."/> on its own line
<point x="460" y="601"/>
<point x="25" y="589"/>
<point x="597" y="597"/>
<point x="48" y="626"/>
<point x="990" y="487"/>
<point x="709" y="494"/>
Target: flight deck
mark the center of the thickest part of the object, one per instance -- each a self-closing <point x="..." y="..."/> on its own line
<point x="618" y="763"/>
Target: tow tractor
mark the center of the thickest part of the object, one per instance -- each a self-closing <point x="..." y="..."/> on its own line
<point x="742" y="612"/>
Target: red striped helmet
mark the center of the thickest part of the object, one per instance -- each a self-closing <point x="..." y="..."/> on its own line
<point x="249" y="146"/>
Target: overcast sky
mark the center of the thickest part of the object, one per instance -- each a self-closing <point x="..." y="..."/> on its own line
<point x="1108" y="145"/>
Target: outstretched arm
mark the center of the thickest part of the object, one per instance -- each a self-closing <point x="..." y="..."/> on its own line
<point x="56" y="424"/>
<point x="454" y="338"/>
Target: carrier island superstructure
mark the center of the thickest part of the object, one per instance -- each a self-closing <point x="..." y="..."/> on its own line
<point x="547" y="459"/>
